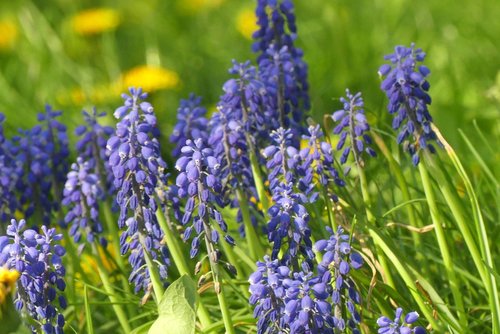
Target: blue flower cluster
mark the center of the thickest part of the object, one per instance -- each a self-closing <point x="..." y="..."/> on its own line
<point x="8" y="179"/>
<point x="82" y="193"/>
<point x="289" y="302"/>
<point x="38" y="157"/>
<point x="388" y="326"/>
<point x="191" y="123"/>
<point x="353" y="128"/>
<point x="338" y="260"/>
<point x="37" y="257"/>
<point x="34" y="175"/>
<point x="317" y="167"/>
<point x="137" y="167"/>
<point x="246" y="100"/>
<point x="295" y="179"/>
<point x="199" y="182"/>
<point x="8" y="201"/>
<point x="406" y="87"/>
<point x="288" y="218"/>
<point x="91" y="147"/>
<point x="229" y="143"/>
<point x="299" y="301"/>
<point x="54" y="139"/>
<point x="281" y="65"/>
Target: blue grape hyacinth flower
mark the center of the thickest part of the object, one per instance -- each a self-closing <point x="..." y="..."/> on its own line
<point x="317" y="166"/>
<point x="138" y="168"/>
<point x="396" y="326"/>
<point x="8" y="179"/>
<point x="191" y="123"/>
<point x="37" y="257"/>
<point x="54" y="138"/>
<point x="91" y="147"/>
<point x="34" y="174"/>
<point x="199" y="182"/>
<point x="406" y="86"/>
<point x="289" y="302"/>
<point x="338" y="261"/>
<point x="275" y="43"/>
<point x="353" y="128"/>
<point x="82" y="193"/>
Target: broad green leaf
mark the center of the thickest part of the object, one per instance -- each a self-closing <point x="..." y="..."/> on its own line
<point x="177" y="309"/>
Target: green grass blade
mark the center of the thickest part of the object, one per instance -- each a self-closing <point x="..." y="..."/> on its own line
<point x="403" y="270"/>
<point x="88" y="314"/>
<point x="490" y="280"/>
<point x="481" y="162"/>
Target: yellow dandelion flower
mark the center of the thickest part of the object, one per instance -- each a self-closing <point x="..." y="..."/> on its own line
<point x="150" y="78"/>
<point x="8" y="279"/>
<point x="95" y="21"/>
<point x="246" y="23"/>
<point x="8" y="34"/>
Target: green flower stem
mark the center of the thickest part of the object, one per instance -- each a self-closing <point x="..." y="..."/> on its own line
<point x="173" y="246"/>
<point x="233" y="259"/>
<point x="112" y="226"/>
<point x="108" y="287"/>
<point x="153" y="274"/>
<point x="114" y="234"/>
<point x="259" y="184"/>
<point x="331" y="215"/>
<point x="226" y="315"/>
<point x="180" y="262"/>
<point x="254" y="245"/>
<point x="372" y="220"/>
<point x="437" y="221"/>
<point x="219" y="289"/>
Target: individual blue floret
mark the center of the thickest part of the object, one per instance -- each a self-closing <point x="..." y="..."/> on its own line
<point x="396" y="326"/>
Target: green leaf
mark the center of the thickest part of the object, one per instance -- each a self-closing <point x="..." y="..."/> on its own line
<point x="88" y="312"/>
<point x="176" y="310"/>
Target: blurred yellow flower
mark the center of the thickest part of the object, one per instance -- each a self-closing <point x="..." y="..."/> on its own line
<point x="90" y="267"/>
<point x="150" y="78"/>
<point x="95" y="21"/>
<point x="8" y="33"/>
<point x="246" y="23"/>
<point x="8" y="279"/>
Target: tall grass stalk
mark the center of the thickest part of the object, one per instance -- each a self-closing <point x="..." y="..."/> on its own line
<point x="387" y="276"/>
<point x="403" y="186"/>
<point x="486" y="262"/>
<point x="108" y="287"/>
<point x="409" y="280"/>
<point x="438" y="222"/>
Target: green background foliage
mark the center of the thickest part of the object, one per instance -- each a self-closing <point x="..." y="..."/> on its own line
<point x="344" y="42"/>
